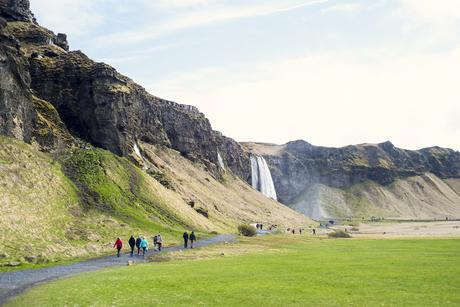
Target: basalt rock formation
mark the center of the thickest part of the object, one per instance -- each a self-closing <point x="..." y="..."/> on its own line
<point x="93" y="101"/>
<point x="306" y="175"/>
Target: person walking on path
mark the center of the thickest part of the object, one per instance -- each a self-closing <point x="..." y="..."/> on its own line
<point x="155" y="241"/>
<point x="159" y="242"/>
<point x="144" y="245"/>
<point x="185" y="236"/>
<point x="192" y="239"/>
<point x="138" y="244"/>
<point x="314" y="231"/>
<point x="118" y="245"/>
<point x="132" y="244"/>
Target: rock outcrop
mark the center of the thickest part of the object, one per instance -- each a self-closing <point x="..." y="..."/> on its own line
<point x="16" y="10"/>
<point x="16" y="110"/>
<point x="301" y="170"/>
<point x="105" y="108"/>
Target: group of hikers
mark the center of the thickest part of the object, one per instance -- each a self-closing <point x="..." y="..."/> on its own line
<point x="188" y="237"/>
<point x="293" y="230"/>
<point x="260" y="226"/>
<point x="143" y="245"/>
<point x="140" y="243"/>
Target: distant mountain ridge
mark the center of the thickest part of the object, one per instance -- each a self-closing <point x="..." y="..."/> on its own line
<point x="55" y="98"/>
<point x="298" y="168"/>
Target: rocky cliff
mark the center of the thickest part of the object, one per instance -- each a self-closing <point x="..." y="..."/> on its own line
<point x="315" y="179"/>
<point x="94" y="102"/>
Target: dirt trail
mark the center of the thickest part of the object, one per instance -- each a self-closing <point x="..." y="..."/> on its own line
<point x="13" y="283"/>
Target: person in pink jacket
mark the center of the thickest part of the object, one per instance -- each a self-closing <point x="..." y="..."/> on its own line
<point x="118" y="245"/>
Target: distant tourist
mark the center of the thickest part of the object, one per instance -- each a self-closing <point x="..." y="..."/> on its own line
<point x="185" y="236"/>
<point x="159" y="241"/>
<point x="192" y="239"/>
<point x="132" y="244"/>
<point x="144" y="245"/>
<point x="261" y="226"/>
<point x="300" y="230"/>
<point x="138" y="244"/>
<point x="118" y="245"/>
<point x="314" y="231"/>
<point x="155" y="241"/>
<point x="293" y="231"/>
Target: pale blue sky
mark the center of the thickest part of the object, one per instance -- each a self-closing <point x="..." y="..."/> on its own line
<point x="330" y="72"/>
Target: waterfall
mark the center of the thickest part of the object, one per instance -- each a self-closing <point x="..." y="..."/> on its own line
<point x="137" y="151"/>
<point x="261" y="177"/>
<point x="221" y="161"/>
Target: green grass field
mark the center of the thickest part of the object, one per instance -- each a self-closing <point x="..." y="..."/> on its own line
<point x="327" y="272"/>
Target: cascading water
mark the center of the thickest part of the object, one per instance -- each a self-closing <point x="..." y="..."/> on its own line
<point x="137" y="151"/>
<point x="261" y="178"/>
<point x="221" y="161"/>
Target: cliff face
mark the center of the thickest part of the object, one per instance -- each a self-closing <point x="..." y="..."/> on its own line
<point x="16" y="111"/>
<point x="299" y="169"/>
<point x="16" y="10"/>
<point x="99" y="105"/>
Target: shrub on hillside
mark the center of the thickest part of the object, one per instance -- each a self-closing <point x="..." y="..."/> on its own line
<point x="247" y="230"/>
<point x="339" y="234"/>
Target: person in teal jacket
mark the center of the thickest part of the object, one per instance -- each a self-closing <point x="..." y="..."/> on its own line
<point x="144" y="245"/>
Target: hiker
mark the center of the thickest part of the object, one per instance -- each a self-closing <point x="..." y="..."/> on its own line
<point x="261" y="226"/>
<point x="155" y="241"/>
<point x="138" y="244"/>
<point x="144" y="245"/>
<point x="159" y="242"/>
<point x="293" y="231"/>
<point x="314" y="231"/>
<point x="192" y="239"/>
<point x="132" y="244"/>
<point x="185" y="236"/>
<point x="300" y="230"/>
<point x="118" y="245"/>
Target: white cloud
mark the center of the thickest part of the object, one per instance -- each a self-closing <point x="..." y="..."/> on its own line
<point x="432" y="10"/>
<point x="179" y="4"/>
<point x="202" y="17"/>
<point x="437" y="22"/>
<point x="332" y="98"/>
<point x="342" y="8"/>
<point x="72" y="17"/>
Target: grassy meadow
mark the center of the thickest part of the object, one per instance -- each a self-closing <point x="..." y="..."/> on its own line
<point x="274" y="271"/>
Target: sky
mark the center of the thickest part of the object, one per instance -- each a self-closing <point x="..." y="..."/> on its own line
<point x="331" y="72"/>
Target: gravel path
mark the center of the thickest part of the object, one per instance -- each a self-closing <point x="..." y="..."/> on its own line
<point x="13" y="283"/>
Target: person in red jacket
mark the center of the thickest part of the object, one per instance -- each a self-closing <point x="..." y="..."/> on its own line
<point x="118" y="245"/>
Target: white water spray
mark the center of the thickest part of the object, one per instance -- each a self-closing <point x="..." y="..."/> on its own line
<point x="261" y="177"/>
<point x="221" y="161"/>
<point x="137" y="151"/>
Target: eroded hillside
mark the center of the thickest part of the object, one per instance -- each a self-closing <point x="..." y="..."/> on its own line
<point x="364" y="180"/>
<point x="73" y="204"/>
